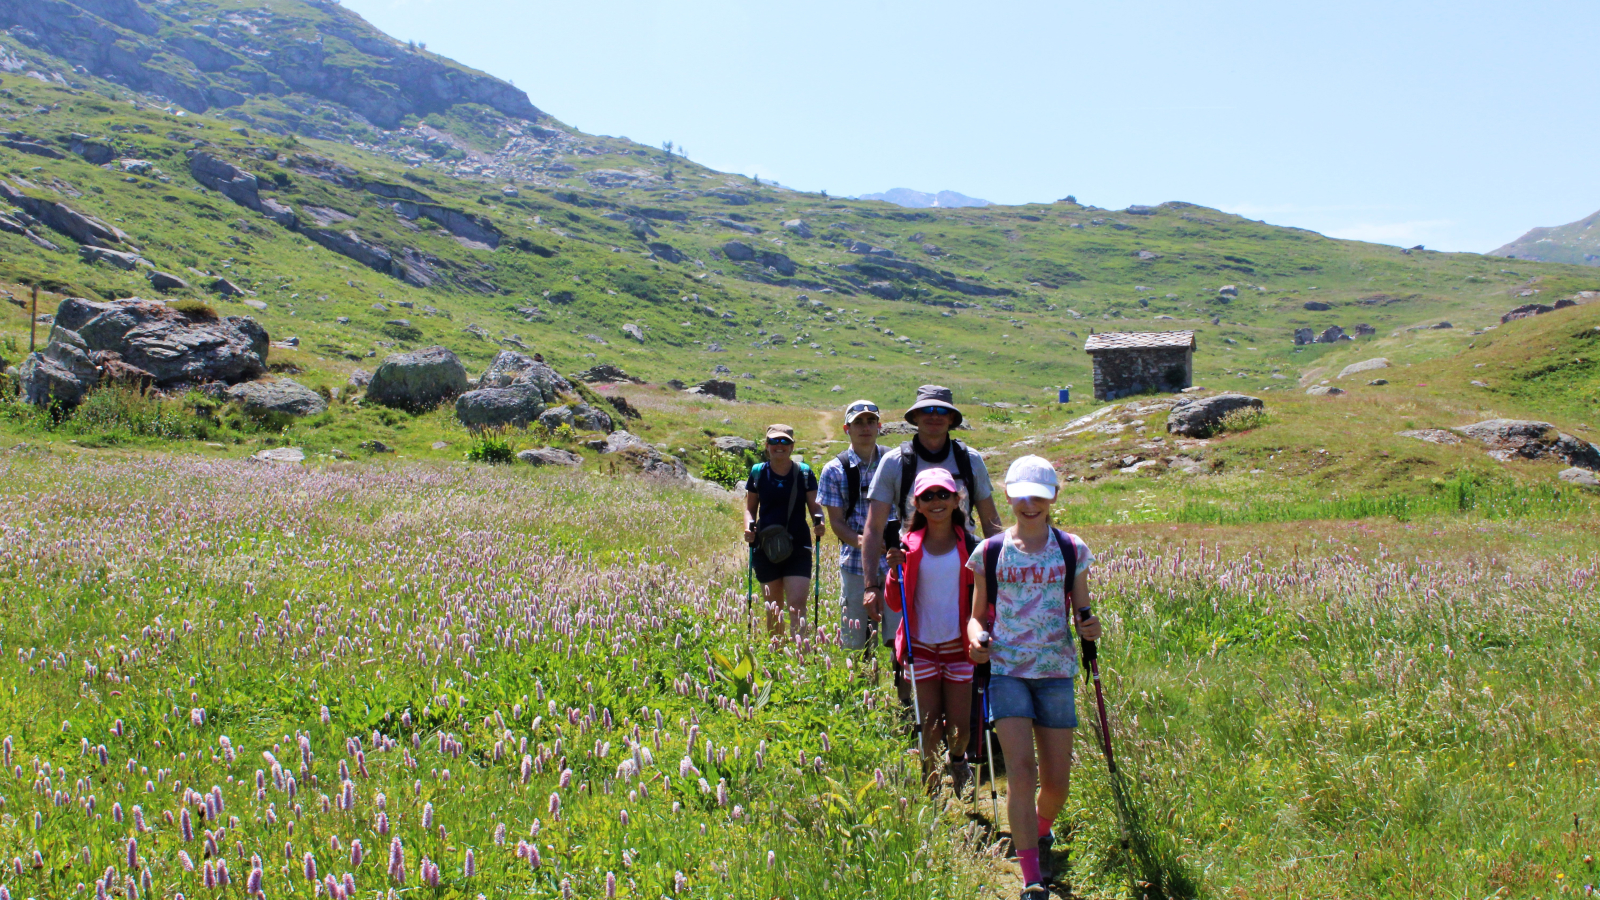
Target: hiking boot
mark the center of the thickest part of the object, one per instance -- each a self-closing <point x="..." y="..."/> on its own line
<point x="1035" y="892"/>
<point x="960" y="776"/>
<point x="1047" y="862"/>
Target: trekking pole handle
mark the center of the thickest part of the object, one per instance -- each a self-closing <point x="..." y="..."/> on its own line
<point x="1090" y="648"/>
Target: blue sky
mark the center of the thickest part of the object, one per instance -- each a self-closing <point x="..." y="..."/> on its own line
<point x="1456" y="125"/>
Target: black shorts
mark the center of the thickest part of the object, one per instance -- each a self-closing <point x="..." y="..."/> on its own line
<point x="798" y="564"/>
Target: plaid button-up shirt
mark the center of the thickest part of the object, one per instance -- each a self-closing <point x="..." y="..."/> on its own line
<point x="831" y="490"/>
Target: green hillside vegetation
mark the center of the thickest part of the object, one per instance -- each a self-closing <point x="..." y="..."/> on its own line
<point x="1575" y="242"/>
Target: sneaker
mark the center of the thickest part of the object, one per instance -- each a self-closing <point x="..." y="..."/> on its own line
<point x="1035" y="892"/>
<point x="960" y="776"/>
<point x="1047" y="862"/>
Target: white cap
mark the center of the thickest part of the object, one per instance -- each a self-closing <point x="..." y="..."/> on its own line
<point x="1031" y="476"/>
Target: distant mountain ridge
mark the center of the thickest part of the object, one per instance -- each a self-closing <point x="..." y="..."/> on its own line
<point x="920" y="200"/>
<point x="1575" y="242"/>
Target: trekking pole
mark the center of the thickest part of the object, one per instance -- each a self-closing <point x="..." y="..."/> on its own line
<point x="911" y="663"/>
<point x="816" y="585"/>
<point x="988" y="749"/>
<point x="749" y="579"/>
<point x="1119" y="803"/>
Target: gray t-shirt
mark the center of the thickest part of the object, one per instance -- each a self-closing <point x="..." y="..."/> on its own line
<point x="886" y="483"/>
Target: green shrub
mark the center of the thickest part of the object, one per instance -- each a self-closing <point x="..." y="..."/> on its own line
<point x="1243" y="419"/>
<point x="726" y="469"/>
<point x="113" y="414"/>
<point x="491" y="445"/>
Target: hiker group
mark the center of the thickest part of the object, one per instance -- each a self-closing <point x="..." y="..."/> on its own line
<point x="981" y="629"/>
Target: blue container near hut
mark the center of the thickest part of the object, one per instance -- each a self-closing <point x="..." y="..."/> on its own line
<point x="1064" y="395"/>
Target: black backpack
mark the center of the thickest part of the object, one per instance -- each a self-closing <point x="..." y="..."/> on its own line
<point x="852" y="479"/>
<point x="908" y="466"/>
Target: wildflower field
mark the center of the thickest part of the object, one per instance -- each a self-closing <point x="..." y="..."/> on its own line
<point x="221" y="678"/>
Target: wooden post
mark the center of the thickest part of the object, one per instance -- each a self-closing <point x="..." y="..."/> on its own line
<point x="33" y="319"/>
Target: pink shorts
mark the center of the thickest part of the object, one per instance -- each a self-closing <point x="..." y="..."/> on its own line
<point x="947" y="661"/>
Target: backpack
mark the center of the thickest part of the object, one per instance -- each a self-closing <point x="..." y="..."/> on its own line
<point x="991" y="563"/>
<point x="908" y="467"/>
<point x="852" y="479"/>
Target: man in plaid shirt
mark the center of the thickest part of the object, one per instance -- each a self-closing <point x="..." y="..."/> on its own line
<point x="847" y="514"/>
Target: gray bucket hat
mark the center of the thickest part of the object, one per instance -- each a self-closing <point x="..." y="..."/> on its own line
<point x="934" y="395"/>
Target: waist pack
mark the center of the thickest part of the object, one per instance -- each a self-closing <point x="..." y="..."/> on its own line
<point x="777" y="545"/>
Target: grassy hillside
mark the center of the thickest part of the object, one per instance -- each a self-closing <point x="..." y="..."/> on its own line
<point x="1575" y="242"/>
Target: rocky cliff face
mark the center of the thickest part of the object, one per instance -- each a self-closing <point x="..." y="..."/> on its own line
<point x="203" y="57"/>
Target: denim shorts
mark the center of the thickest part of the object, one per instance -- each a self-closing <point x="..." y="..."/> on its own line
<point x="1049" y="702"/>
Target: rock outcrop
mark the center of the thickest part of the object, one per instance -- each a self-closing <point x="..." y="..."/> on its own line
<point x="647" y="459"/>
<point x="1510" y="439"/>
<point x="550" y="456"/>
<point x="1202" y="416"/>
<point x="1366" y="365"/>
<point x="515" y="390"/>
<point x="713" y="387"/>
<point x="419" y="380"/>
<point x="81" y="227"/>
<point x="144" y="341"/>
<point x="607" y="373"/>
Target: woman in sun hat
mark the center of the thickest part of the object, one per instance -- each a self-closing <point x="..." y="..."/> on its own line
<point x="936" y="590"/>
<point x="778" y="497"/>
<point x="1031" y="584"/>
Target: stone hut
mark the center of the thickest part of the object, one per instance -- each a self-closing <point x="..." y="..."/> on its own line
<point x="1133" y="363"/>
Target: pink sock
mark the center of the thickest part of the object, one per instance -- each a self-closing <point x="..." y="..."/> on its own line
<point x="1045" y="825"/>
<point x="1030" y="866"/>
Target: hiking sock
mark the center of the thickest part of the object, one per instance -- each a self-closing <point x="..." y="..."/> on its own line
<point x="1030" y="865"/>
<point x="1045" y="825"/>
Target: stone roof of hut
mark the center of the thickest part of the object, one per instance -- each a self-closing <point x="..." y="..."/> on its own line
<point x="1140" y="340"/>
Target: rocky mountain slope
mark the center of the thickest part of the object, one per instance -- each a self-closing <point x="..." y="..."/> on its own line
<point x="1575" y="242"/>
<point x="459" y="215"/>
<point x="921" y="200"/>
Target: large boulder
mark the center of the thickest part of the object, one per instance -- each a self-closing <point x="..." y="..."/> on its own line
<point x="61" y="374"/>
<point x="798" y="227"/>
<point x="144" y="341"/>
<point x="1201" y="417"/>
<point x="282" y="397"/>
<point x="1366" y="365"/>
<point x="418" y="380"/>
<point x="588" y="418"/>
<point x="510" y="367"/>
<point x="1526" y="311"/>
<point x="1509" y="439"/>
<point x="647" y="459"/>
<point x="714" y="387"/>
<point x="166" y="281"/>
<point x="518" y="406"/>
<point x="555" y="417"/>
<point x="738" y="251"/>
<point x="732" y="443"/>
<point x="607" y="373"/>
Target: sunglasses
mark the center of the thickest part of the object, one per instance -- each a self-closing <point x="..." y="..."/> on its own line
<point x="862" y="407"/>
<point x="778" y="442"/>
<point x="938" y="410"/>
<point x="935" y="494"/>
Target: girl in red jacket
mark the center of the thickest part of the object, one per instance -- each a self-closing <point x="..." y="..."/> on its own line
<point x="936" y="595"/>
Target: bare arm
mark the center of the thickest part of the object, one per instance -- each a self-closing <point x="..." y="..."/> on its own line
<point x="976" y="651"/>
<point x="871" y="550"/>
<point x="989" y="517"/>
<point x="841" y="527"/>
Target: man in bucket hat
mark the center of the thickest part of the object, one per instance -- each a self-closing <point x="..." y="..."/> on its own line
<point x="843" y="492"/>
<point x="934" y="413"/>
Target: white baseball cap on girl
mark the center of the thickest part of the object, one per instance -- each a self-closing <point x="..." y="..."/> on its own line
<point x="1031" y="476"/>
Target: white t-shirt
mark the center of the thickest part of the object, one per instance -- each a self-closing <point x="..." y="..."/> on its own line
<point x="939" y="597"/>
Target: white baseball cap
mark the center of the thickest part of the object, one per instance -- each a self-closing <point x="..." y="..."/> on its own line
<point x="1031" y="476"/>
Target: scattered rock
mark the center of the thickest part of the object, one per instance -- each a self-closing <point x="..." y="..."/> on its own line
<point x="1579" y="477"/>
<point x="730" y="443"/>
<point x="1332" y="335"/>
<point x="1363" y="329"/>
<point x="441" y="445"/>
<point x="118" y="258"/>
<point x="713" y="387"/>
<point x="418" y="380"/>
<point x="1526" y="311"/>
<point x="555" y="417"/>
<point x="667" y="253"/>
<point x="1378" y="382"/>
<point x="375" y="446"/>
<point x="1201" y="416"/>
<point x="606" y="373"/>
<point x="738" y="251"/>
<point x="1366" y="365"/>
<point x="1440" y="327"/>
<point x="283" y="455"/>
<point x="1304" y="336"/>
<point x="1323" y="390"/>
<point x="226" y="288"/>
<point x="550" y="456"/>
<point x="1317" y="306"/>
<point x="283" y="396"/>
<point x="647" y="459"/>
<point x="798" y="227"/>
<point x="887" y="290"/>
<point x="1432" y="435"/>
<point x="1513" y="438"/>
<point x="633" y="331"/>
<point x="256" y="305"/>
<point x="360" y="378"/>
<point x="163" y="281"/>
<point x="623" y="407"/>
<point x="510" y="367"/>
<point x="518" y="405"/>
<point x="1228" y="290"/>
